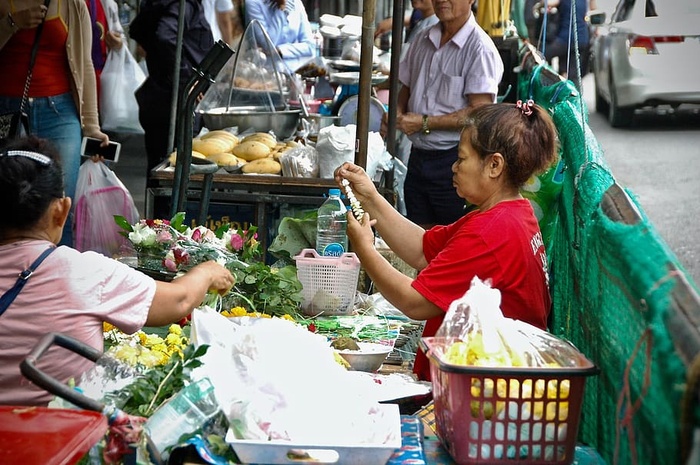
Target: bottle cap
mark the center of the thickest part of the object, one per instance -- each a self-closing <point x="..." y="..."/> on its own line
<point x="334" y="192"/>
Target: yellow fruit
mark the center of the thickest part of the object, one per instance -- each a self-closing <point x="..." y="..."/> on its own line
<point x="262" y="166"/>
<point x="225" y="159"/>
<point x="212" y="145"/>
<point x="268" y="139"/>
<point x="172" y="158"/>
<point x="251" y="150"/>
<point x="220" y="133"/>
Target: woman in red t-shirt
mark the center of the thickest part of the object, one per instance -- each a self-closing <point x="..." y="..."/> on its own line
<point x="501" y="147"/>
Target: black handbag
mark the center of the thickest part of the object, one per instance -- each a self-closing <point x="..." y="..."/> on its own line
<point x="16" y="123"/>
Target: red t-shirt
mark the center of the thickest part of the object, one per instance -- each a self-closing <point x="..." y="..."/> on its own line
<point x="503" y="244"/>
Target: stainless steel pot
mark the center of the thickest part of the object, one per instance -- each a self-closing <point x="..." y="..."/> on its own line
<point x="283" y="123"/>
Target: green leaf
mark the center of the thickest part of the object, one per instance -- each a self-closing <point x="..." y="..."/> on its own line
<point x="176" y="222"/>
<point x="124" y="224"/>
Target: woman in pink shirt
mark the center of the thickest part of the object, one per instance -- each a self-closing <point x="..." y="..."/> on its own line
<point x="70" y="292"/>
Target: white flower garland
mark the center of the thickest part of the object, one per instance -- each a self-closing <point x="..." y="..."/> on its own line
<point x="354" y="203"/>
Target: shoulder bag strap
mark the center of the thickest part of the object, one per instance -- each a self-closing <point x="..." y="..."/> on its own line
<point x="32" y="59"/>
<point x="9" y="296"/>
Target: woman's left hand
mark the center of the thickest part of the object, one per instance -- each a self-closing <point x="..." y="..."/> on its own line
<point x="104" y="138"/>
<point x="361" y="234"/>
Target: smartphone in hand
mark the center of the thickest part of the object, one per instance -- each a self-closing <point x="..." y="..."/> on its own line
<point x="91" y="147"/>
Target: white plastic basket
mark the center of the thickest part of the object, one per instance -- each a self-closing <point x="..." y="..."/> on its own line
<point x="329" y="283"/>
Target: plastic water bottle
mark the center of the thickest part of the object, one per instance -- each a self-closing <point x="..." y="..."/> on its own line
<point x="332" y="226"/>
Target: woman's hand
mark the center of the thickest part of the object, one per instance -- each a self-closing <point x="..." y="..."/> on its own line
<point x="360" y="182"/>
<point x="29" y="17"/>
<point x="361" y="234"/>
<point x="221" y="279"/>
<point x="113" y="40"/>
<point x="104" y="138"/>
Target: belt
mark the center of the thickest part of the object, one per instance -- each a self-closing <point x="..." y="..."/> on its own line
<point x="434" y="152"/>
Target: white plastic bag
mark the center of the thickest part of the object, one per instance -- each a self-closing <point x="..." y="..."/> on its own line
<point x="336" y="145"/>
<point x="120" y="78"/>
<point x="101" y="195"/>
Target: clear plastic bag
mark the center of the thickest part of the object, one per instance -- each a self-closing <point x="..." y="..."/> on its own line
<point x="475" y="333"/>
<point x="100" y="196"/>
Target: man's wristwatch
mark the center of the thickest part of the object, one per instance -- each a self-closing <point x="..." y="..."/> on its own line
<point x="425" y="129"/>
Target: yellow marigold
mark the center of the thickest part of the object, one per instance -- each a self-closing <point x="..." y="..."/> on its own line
<point x="152" y="340"/>
<point x="237" y="311"/>
<point x="288" y="317"/>
<point x="173" y="339"/>
<point x="107" y="326"/>
<point x="175" y="329"/>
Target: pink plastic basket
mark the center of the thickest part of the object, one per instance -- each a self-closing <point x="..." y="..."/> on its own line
<point x="507" y="415"/>
<point x="329" y="283"/>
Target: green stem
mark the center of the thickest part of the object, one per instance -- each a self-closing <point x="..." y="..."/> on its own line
<point x="160" y="386"/>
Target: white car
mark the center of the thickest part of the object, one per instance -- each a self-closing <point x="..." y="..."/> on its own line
<point x="648" y="54"/>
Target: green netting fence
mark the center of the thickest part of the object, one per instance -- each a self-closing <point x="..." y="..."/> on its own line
<point x="620" y="294"/>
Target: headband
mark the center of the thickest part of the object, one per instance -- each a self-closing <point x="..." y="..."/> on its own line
<point x="37" y="157"/>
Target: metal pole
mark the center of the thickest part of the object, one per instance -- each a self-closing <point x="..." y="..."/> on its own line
<point x="396" y="34"/>
<point x="365" y="86"/>
<point x="176" y="75"/>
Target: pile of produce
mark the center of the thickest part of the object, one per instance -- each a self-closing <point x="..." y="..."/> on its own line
<point x="259" y="152"/>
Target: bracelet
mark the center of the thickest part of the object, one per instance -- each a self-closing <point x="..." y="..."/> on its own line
<point x="12" y="22"/>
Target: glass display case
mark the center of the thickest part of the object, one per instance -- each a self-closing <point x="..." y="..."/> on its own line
<point x="253" y="90"/>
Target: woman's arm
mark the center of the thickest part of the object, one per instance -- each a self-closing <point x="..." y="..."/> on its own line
<point x="404" y="237"/>
<point x="395" y="286"/>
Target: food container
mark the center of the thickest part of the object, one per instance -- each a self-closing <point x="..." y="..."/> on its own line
<point x="506" y="415"/>
<point x="319" y="122"/>
<point x="283" y="123"/>
<point x="328" y="284"/>
<point x="369" y="358"/>
<point x="285" y="452"/>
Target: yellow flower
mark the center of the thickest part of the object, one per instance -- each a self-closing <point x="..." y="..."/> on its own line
<point x="175" y="329"/>
<point x="106" y="327"/>
<point x="152" y="340"/>
<point x="173" y="339"/>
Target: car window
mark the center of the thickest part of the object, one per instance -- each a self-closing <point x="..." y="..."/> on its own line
<point x="676" y="7"/>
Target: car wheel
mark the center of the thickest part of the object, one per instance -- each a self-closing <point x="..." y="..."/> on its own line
<point x="619" y="117"/>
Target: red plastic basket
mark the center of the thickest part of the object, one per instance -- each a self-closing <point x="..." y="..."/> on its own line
<point x="508" y="415"/>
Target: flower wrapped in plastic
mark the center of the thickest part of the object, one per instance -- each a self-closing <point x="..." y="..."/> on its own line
<point x="169" y="245"/>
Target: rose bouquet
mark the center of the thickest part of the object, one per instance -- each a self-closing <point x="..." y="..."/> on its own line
<point x="169" y="245"/>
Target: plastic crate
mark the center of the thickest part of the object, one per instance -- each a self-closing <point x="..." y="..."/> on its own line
<point x="507" y="415"/>
<point x="329" y="283"/>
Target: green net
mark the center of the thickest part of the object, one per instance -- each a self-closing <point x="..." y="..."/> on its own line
<point x="613" y="285"/>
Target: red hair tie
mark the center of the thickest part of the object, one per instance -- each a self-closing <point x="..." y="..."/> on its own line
<point x="525" y="107"/>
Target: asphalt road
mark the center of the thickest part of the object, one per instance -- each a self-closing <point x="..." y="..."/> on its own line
<point x="658" y="160"/>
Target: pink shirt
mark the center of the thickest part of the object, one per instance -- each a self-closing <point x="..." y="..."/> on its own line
<point x="72" y="293"/>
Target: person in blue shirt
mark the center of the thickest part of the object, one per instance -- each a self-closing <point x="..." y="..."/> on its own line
<point x="287" y="24"/>
<point x="558" y="46"/>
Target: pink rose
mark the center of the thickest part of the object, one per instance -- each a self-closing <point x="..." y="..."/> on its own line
<point x="236" y="242"/>
<point x="170" y="265"/>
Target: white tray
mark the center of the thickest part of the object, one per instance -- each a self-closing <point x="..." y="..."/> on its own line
<point x="284" y="452"/>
